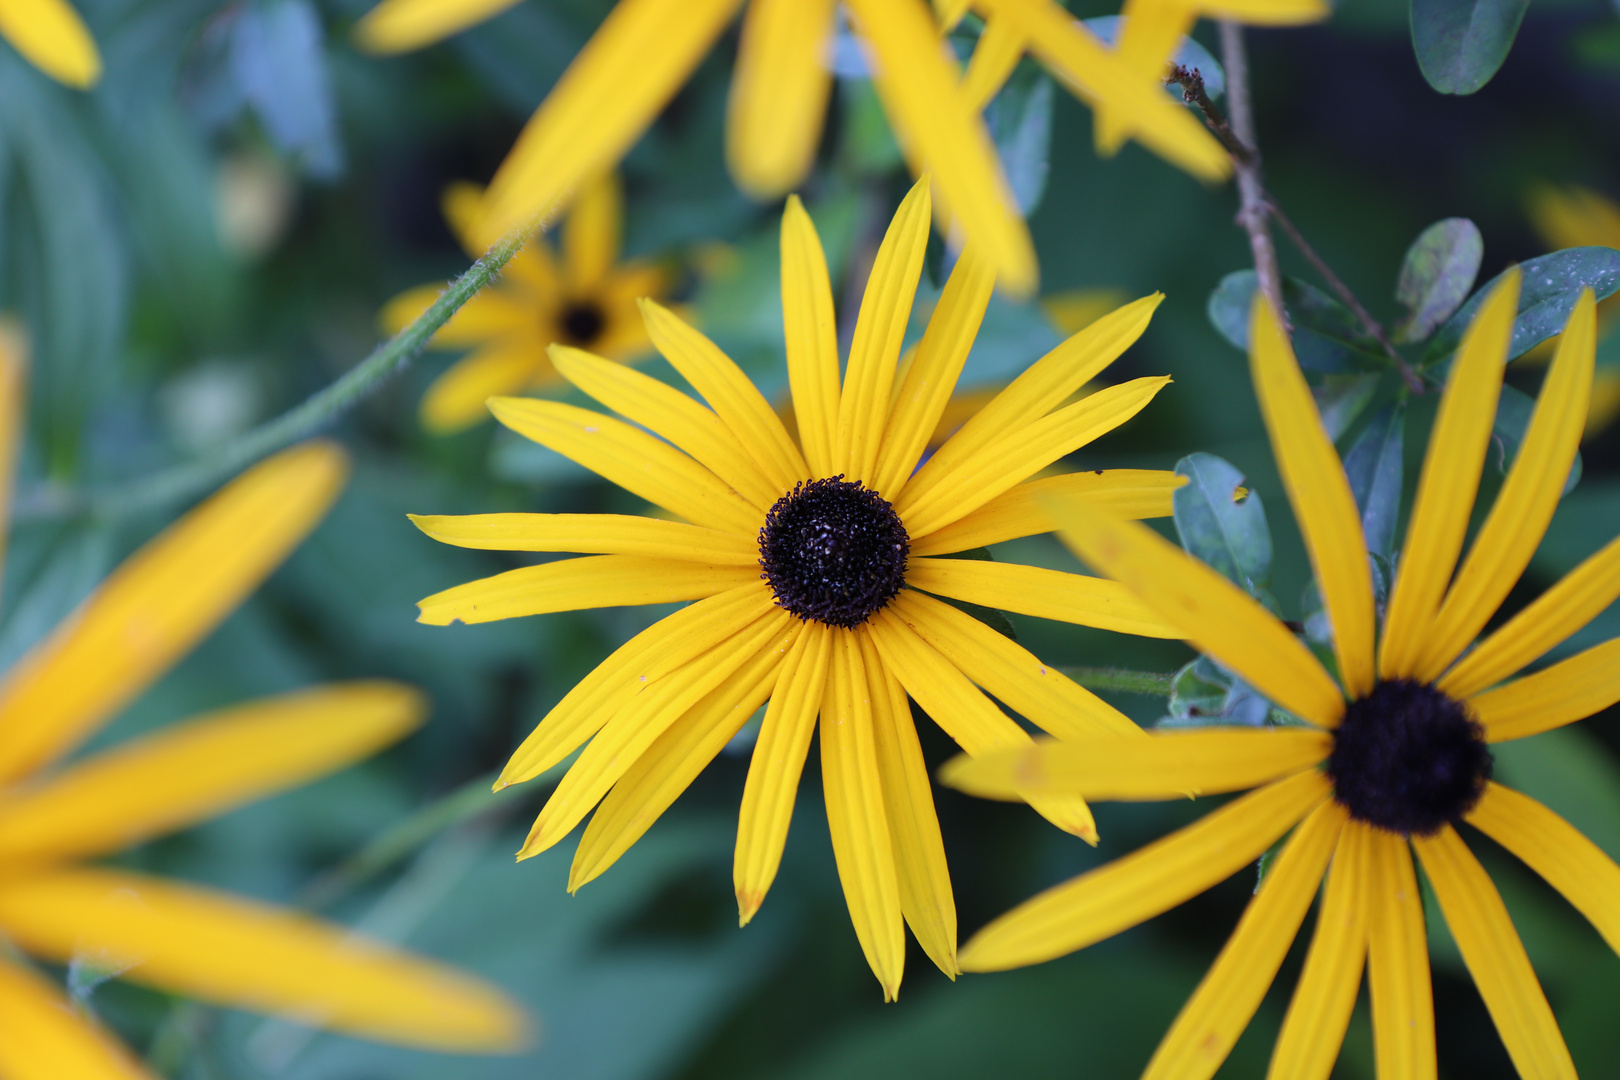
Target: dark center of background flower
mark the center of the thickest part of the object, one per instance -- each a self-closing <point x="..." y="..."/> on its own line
<point x="833" y="551"/>
<point x="1409" y="759"/>
<point x="583" y="322"/>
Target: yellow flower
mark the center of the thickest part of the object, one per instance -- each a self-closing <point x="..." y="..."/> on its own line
<point x="851" y="541"/>
<point x="589" y="302"/>
<point x="51" y="36"/>
<point x="1393" y="761"/>
<point x="1574" y="216"/>
<point x="645" y="49"/>
<point x="181" y="938"/>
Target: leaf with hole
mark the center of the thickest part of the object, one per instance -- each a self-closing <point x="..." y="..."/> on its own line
<point x="1222" y="524"/>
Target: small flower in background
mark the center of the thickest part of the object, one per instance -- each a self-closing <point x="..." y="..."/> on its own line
<point x="181" y="938"/>
<point x="51" y="36"/>
<point x="1574" y="216"/>
<point x="588" y="302"/>
<point x="1397" y="767"/>
<point x="852" y="538"/>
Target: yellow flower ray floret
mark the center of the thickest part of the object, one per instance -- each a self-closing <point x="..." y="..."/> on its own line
<point x="52" y="37"/>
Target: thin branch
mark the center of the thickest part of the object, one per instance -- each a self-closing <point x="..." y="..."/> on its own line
<point x="1253" y="205"/>
<point x="1122" y="680"/>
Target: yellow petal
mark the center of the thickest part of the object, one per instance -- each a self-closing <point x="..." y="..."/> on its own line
<point x="774" y="768"/>
<point x="604" y="534"/>
<point x="1010" y="672"/>
<point x="1205" y="761"/>
<point x="1398" y="964"/>
<point x="863" y="409"/>
<point x="995" y="55"/>
<point x="43" y="1037"/>
<point x="666" y="411"/>
<point x="1320" y="494"/>
<point x="924" y="878"/>
<point x="1221" y="1007"/>
<point x="1020" y="454"/>
<point x="1214" y="614"/>
<point x="662" y="648"/>
<point x="625" y="75"/>
<point x="13" y="404"/>
<point x="459" y="397"/>
<point x="855" y="815"/>
<point x="488" y="315"/>
<point x="949" y="13"/>
<point x="590" y="241"/>
<point x="1151" y="880"/>
<point x="234" y="952"/>
<point x="1495" y="957"/>
<point x="534" y="266"/>
<point x="1319" y="1013"/>
<point x="396" y="26"/>
<point x="160" y="602"/>
<point x="1266" y="12"/>
<point x="632" y="459"/>
<point x="1574" y="216"/>
<point x="1021" y="511"/>
<point x="1149" y="34"/>
<point x="942" y="135"/>
<point x="1528" y="497"/>
<point x="1072" y="310"/>
<point x="197" y="770"/>
<point x="738" y="403"/>
<point x="811" y="337"/>
<point x="673" y="761"/>
<point x="458" y="202"/>
<point x="52" y="37"/>
<point x="778" y="94"/>
<point x="1445" y="494"/>
<point x="1570" y="690"/>
<point x="1556" y="850"/>
<point x="929" y="380"/>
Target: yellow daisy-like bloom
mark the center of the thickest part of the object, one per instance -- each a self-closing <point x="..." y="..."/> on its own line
<point x="51" y="36"/>
<point x="850" y="536"/>
<point x="646" y="49"/>
<point x="1575" y="216"/>
<point x="1391" y="758"/>
<point x="589" y="301"/>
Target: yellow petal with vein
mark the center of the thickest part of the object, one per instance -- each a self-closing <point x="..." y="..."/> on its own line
<point x="995" y="55"/>
<point x="52" y="37"/>
<point x="44" y="1037"/>
<point x="1021" y="511"/>
<point x="811" y="337"/>
<point x="855" y="814"/>
<point x="197" y="770"/>
<point x="396" y="26"/>
<point x="1214" y="614"/>
<point x="774" y="769"/>
<point x="1398" y="964"/>
<point x="778" y="94"/>
<point x="1445" y="494"/>
<point x="459" y="398"/>
<point x="1046" y="594"/>
<point x="597" y="534"/>
<point x="1102" y="902"/>
<point x="1320" y="494"/>
<point x="1495" y="957"/>
<point x="161" y="602"/>
<point x="1525" y="505"/>
<point x="235" y="952"/>
<point x="13" y="394"/>
<point x="591" y="236"/>
<point x="1570" y="690"/>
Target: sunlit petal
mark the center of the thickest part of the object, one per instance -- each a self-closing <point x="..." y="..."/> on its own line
<point x="595" y="534"/>
<point x="1021" y="510"/>
<point x="1046" y="594"/>
<point x="811" y="337"/>
<point x="42" y="1036"/>
<point x="1570" y="690"/>
<point x="1398" y="964"/>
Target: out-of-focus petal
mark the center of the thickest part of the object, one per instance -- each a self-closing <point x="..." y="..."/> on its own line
<point x="42" y="1037"/>
<point x="50" y="34"/>
<point x="779" y="94"/>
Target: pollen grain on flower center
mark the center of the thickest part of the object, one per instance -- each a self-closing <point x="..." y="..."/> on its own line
<point x="834" y="551"/>
<point x="583" y="322"/>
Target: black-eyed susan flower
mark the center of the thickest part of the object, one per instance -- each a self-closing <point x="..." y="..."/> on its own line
<point x="1570" y="216"/>
<point x="51" y="36"/>
<point x="814" y="565"/>
<point x="646" y="49"/>
<point x="587" y="299"/>
<point x="1392" y="757"/>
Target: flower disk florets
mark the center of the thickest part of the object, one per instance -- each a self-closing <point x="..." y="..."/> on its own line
<point x="834" y="551"/>
<point x="583" y="321"/>
<point x="1409" y="759"/>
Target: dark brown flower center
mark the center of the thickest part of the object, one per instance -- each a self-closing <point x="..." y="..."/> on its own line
<point x="834" y="551"/>
<point x="583" y="322"/>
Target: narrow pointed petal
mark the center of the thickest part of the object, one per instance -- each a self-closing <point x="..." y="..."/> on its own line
<point x="1214" y="614"/>
<point x="1150" y="33"/>
<point x="1021" y="511"/>
<point x="1495" y="957"/>
<point x="396" y="26"/>
<point x="43" y="1037"/>
<point x="160" y="602"/>
<point x="995" y="55"/>
<point x="1223" y="1004"/>
<point x="487" y="315"/>
<point x="1164" y="765"/>
<point x="1046" y="594"/>
<point x="52" y="37"/>
<point x="779" y="92"/>
<point x="1320" y="1010"/>
<point x="863" y="409"/>
<point x="459" y="398"/>
<point x="13" y="405"/>
<point x="592" y="234"/>
<point x="1556" y="850"/>
<point x="197" y="770"/>
<point x="1398" y="965"/>
<point x="1010" y="672"/>
<point x="1570" y="690"/>
<point x="1525" y="506"/>
<point x="856" y="817"/>
<point x="1149" y="881"/>
<point x="811" y="337"/>
<point x="1445" y="494"/>
<point x="596" y="534"/>
<point x="1320" y="494"/>
<point x="777" y="763"/>
<point x="673" y="761"/>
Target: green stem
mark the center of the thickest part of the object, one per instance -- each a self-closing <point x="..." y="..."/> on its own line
<point x="1122" y="680"/>
<point x="201" y="474"/>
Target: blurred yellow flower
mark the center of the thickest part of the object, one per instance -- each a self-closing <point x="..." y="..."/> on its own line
<point x="51" y="36"/>
<point x="646" y="49"/>
<point x="588" y="302"/>
<point x="181" y="938"/>
<point x="1575" y="216"/>
<point x="1391" y="757"/>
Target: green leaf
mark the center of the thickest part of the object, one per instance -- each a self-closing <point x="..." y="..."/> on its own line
<point x="1513" y="412"/>
<point x="1327" y="337"/>
<point x="1204" y="693"/>
<point x="1221" y="525"/>
<point x="1374" y="468"/>
<point x="1461" y="43"/>
<point x="1436" y="275"/>
<point x="1552" y="284"/>
<point x="1341" y="398"/>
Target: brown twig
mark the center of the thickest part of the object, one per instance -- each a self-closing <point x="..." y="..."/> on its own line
<point x="1253" y="205"/>
<point x="1191" y="81"/>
